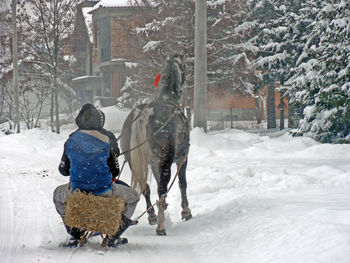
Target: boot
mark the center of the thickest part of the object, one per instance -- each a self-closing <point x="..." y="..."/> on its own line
<point x="75" y="237"/>
<point x="76" y="233"/>
<point x="116" y="239"/>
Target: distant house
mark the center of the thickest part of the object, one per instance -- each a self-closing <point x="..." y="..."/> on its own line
<point x="113" y="48"/>
<point x="108" y="24"/>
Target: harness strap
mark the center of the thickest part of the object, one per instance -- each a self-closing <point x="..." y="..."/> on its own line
<point x="156" y="132"/>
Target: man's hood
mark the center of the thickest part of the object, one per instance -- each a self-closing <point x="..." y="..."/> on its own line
<point x="90" y="118"/>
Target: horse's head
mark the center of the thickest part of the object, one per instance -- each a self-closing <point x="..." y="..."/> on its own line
<point x="172" y="78"/>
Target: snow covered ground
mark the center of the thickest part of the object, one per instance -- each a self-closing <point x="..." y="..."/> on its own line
<point x="254" y="197"/>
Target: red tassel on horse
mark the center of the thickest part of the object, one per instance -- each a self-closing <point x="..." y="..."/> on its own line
<point x="156" y="82"/>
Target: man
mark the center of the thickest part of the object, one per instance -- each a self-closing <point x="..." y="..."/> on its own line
<point x="90" y="158"/>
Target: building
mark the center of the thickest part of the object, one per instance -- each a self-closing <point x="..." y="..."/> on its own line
<point x="111" y="49"/>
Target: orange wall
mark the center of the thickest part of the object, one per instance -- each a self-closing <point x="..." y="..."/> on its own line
<point x="227" y="100"/>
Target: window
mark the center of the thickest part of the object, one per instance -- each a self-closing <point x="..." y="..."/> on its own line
<point x="105" y="39"/>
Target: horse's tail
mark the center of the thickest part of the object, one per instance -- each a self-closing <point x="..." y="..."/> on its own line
<point x="139" y="155"/>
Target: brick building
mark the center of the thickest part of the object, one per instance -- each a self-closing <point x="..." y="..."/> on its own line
<point x="106" y="48"/>
<point x="114" y="47"/>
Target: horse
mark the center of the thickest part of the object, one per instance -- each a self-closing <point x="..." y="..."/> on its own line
<point x="156" y="135"/>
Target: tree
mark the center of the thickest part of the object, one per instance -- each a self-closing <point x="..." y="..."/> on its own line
<point x="9" y="95"/>
<point x="4" y="51"/>
<point x="304" y="33"/>
<point x="43" y="29"/>
<point x="229" y="60"/>
<point x="304" y="46"/>
<point x="271" y="35"/>
<point x="50" y="23"/>
<point x="33" y="91"/>
<point x="321" y="82"/>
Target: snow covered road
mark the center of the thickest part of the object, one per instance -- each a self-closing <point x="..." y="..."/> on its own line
<point x="254" y="198"/>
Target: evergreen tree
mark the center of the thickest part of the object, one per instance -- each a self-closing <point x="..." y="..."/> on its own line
<point x="322" y="80"/>
<point x="305" y="35"/>
<point x="229" y="62"/>
<point x="272" y="33"/>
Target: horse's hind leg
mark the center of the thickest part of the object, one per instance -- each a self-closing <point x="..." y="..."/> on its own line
<point x="152" y="218"/>
<point x="186" y="212"/>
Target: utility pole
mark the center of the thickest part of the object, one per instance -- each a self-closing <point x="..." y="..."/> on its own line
<point x="200" y="66"/>
<point x="15" y="64"/>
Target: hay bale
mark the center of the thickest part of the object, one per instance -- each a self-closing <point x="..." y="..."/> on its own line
<point x="94" y="213"/>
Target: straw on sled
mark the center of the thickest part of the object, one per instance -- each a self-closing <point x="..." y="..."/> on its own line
<point x="94" y="213"/>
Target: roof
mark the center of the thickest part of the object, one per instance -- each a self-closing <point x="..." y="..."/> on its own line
<point x="112" y="4"/>
<point x="88" y="21"/>
<point x="86" y="78"/>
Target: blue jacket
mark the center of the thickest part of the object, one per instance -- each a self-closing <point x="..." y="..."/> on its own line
<point x="88" y="157"/>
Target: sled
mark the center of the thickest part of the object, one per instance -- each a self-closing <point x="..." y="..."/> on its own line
<point x="92" y="214"/>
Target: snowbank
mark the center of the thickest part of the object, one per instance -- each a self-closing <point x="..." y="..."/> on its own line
<point x="115" y="118"/>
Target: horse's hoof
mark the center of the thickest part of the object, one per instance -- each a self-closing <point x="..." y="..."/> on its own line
<point x="186" y="214"/>
<point x="161" y="232"/>
<point x="152" y="219"/>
